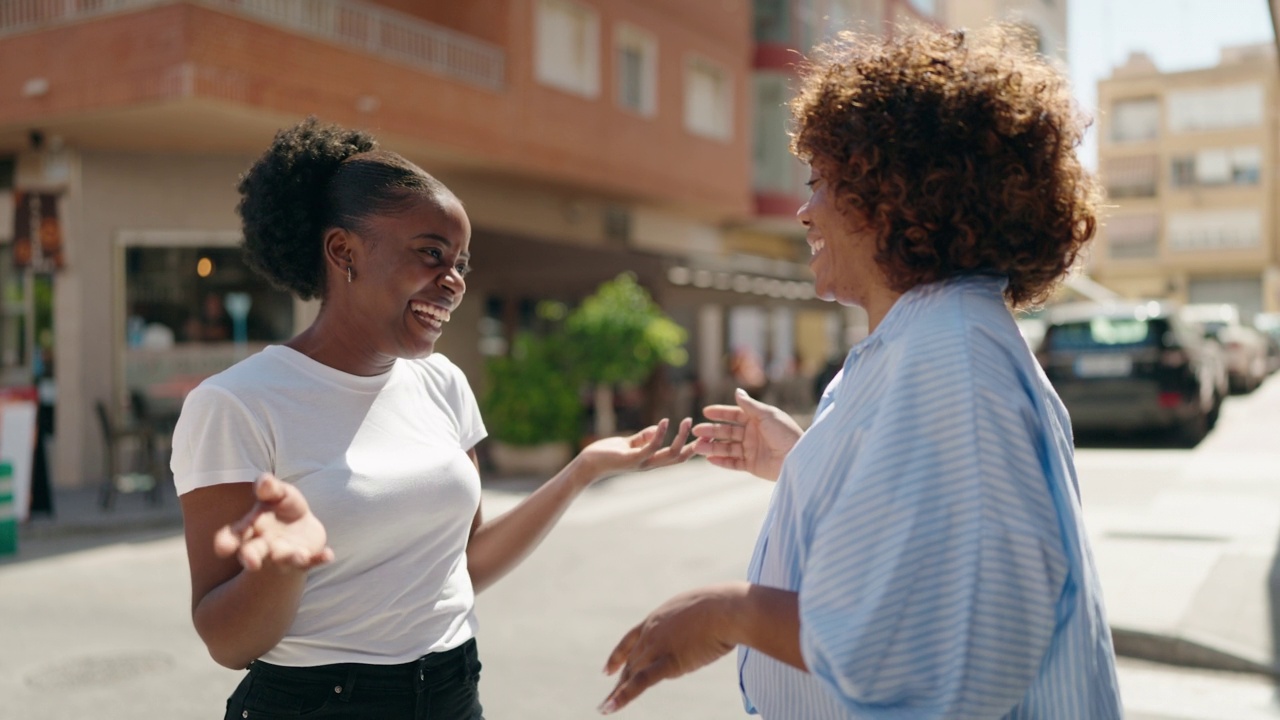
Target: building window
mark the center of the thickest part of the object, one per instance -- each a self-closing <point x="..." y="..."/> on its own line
<point x="1131" y="176"/>
<point x="567" y="47"/>
<point x="1135" y="120"/>
<point x="636" y="58"/>
<point x="1219" y="166"/>
<point x="776" y="169"/>
<point x="773" y="21"/>
<point x="1133" y="236"/>
<point x="1234" y="106"/>
<point x="1183" y="172"/>
<point x="1246" y="165"/>
<point x="191" y="311"/>
<point x="1215" y="230"/>
<point x="708" y="100"/>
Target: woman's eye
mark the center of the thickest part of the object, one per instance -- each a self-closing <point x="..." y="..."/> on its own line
<point x="463" y="269"/>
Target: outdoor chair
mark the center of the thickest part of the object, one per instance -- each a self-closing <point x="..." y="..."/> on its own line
<point x="125" y="439"/>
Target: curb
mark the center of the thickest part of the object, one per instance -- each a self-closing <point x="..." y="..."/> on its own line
<point x="1185" y="653"/>
<point x="108" y="526"/>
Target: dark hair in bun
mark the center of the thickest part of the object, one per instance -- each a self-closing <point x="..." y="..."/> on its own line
<point x="317" y="176"/>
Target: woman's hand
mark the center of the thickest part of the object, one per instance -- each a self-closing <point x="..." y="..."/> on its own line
<point x="685" y="633"/>
<point x="750" y="436"/>
<point x="641" y="451"/>
<point x="279" y="529"/>
<point x="698" y="627"/>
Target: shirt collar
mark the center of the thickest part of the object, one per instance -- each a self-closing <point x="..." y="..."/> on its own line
<point x="909" y="304"/>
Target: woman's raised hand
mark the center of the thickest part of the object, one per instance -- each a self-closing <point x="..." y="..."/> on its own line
<point x="751" y="436"/>
<point x="280" y="530"/>
<point x="641" y="451"/>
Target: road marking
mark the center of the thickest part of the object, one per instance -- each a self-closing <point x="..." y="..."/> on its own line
<point x="752" y="495"/>
<point x="640" y="494"/>
<point x="693" y="495"/>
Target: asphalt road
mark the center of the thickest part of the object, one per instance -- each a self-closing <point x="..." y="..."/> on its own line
<point x="99" y="627"/>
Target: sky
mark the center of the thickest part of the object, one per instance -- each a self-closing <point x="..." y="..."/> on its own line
<point x="1177" y="34"/>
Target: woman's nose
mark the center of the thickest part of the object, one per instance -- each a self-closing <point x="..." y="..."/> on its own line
<point x="803" y="214"/>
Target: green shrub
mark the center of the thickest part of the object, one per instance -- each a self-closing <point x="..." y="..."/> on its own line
<point x="532" y="397"/>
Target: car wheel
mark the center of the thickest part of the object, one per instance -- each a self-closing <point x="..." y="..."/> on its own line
<point x="1190" y="432"/>
<point x="1211" y="419"/>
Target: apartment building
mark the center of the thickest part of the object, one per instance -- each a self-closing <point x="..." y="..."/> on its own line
<point x="586" y="137"/>
<point x="1187" y="160"/>
<point x="794" y="337"/>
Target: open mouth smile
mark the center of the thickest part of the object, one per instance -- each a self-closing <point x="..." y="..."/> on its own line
<point x="433" y="316"/>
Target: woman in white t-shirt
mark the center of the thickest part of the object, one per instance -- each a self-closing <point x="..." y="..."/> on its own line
<point x="329" y="485"/>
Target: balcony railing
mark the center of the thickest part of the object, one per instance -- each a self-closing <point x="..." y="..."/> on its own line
<point x="385" y="33"/>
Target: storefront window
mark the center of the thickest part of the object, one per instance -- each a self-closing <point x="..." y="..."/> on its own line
<point x="191" y="312"/>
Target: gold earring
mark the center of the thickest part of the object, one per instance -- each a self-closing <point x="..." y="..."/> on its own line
<point x="348" y="274"/>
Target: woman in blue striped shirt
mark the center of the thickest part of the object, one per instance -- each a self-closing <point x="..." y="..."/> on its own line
<point x="924" y="554"/>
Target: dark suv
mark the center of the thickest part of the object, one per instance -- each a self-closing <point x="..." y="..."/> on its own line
<point x="1133" y="366"/>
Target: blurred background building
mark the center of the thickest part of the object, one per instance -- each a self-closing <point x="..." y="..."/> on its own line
<point x="586" y="137"/>
<point x="1187" y="159"/>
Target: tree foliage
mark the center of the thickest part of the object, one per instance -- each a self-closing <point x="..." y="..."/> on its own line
<point x="619" y="334"/>
<point x="532" y="396"/>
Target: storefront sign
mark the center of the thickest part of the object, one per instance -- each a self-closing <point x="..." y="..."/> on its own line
<point x="37" y="234"/>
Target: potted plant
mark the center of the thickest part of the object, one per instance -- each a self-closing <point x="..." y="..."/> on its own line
<point x="618" y="336"/>
<point x="531" y="408"/>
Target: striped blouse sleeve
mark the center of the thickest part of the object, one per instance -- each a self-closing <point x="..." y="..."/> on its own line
<point x="930" y="584"/>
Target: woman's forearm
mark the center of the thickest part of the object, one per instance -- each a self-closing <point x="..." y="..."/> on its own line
<point x="767" y="619"/>
<point x="498" y="545"/>
<point x="246" y="616"/>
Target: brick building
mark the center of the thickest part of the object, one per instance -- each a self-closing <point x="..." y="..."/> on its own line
<point x="585" y="137"/>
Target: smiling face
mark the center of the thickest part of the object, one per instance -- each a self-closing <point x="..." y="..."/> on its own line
<point x="408" y="276"/>
<point x="842" y="247"/>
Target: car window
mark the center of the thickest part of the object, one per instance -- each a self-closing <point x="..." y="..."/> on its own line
<point x="1101" y="332"/>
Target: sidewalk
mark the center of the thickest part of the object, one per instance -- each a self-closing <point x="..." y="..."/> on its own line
<point x="1190" y="572"/>
<point x="76" y="513"/>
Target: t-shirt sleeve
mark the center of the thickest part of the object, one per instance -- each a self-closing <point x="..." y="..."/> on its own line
<point x="930" y="584"/>
<point x="465" y="407"/>
<point x="216" y="441"/>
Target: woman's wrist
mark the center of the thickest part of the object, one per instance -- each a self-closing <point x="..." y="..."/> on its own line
<point x="579" y="474"/>
<point x="737" y="612"/>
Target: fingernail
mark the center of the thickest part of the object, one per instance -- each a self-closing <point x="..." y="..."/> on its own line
<point x="740" y="391"/>
<point x="608" y="707"/>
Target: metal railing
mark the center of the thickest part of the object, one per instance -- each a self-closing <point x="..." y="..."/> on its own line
<point x="385" y="33"/>
<point x="18" y="16"/>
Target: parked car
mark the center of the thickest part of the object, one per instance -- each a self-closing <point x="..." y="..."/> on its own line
<point x="1246" y="347"/>
<point x="1133" y="366"/>
<point x="1269" y="325"/>
<point x="1031" y="325"/>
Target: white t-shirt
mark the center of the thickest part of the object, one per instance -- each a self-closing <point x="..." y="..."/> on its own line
<point x="382" y="462"/>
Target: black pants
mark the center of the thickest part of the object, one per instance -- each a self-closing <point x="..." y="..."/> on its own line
<point x="439" y="686"/>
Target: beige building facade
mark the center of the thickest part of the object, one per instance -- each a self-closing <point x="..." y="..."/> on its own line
<point x="1187" y="159"/>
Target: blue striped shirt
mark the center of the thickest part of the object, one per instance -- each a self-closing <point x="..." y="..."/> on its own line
<point x="930" y="521"/>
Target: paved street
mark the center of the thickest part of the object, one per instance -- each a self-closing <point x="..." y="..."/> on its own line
<point x="97" y="625"/>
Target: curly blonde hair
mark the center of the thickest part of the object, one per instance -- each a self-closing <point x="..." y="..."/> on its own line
<point x="960" y="151"/>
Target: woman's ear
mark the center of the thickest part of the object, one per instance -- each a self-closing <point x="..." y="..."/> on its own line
<point x="339" y="252"/>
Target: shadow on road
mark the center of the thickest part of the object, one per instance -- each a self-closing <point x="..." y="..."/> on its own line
<point x="1138" y="440"/>
<point x="44" y="546"/>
